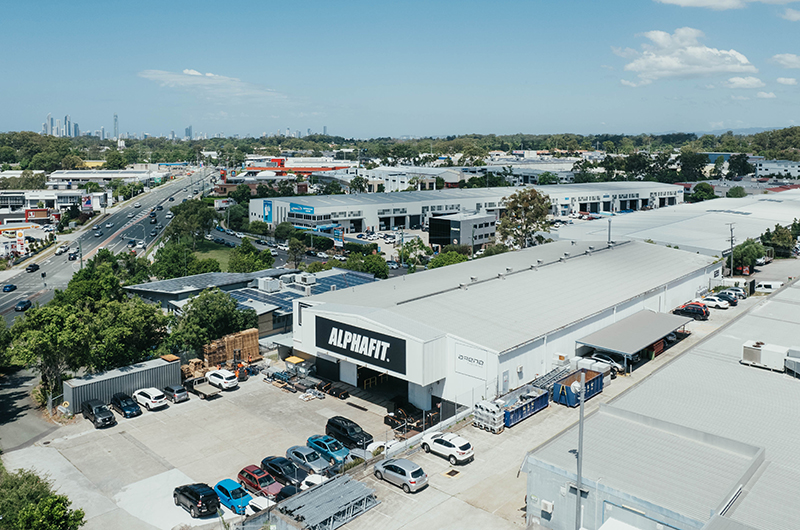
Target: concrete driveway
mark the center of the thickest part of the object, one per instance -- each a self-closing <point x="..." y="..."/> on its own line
<point x="21" y="424"/>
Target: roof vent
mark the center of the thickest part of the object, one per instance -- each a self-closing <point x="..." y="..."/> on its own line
<point x="333" y="287"/>
<point x="473" y="279"/>
<point x="509" y="270"/>
<point x="462" y="286"/>
<point x="501" y="276"/>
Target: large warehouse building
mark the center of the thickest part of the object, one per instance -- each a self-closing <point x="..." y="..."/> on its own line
<point x="484" y="327"/>
<point x="705" y="442"/>
<point x="383" y="211"/>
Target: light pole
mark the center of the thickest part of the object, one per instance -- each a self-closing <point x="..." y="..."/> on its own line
<point x="580" y="390"/>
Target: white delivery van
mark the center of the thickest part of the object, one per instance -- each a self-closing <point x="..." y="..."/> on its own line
<point x="768" y="286"/>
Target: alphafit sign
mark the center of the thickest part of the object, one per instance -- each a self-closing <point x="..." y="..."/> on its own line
<point x="384" y="352"/>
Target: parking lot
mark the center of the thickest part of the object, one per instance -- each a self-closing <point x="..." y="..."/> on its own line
<point x="123" y="476"/>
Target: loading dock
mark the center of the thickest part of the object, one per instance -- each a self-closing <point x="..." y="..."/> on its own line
<point x="632" y="335"/>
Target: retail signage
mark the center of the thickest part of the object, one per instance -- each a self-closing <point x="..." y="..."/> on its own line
<point x="299" y="208"/>
<point x="268" y="212"/>
<point x="382" y="352"/>
<point x="338" y="237"/>
<point x="470" y="361"/>
<point x="86" y="202"/>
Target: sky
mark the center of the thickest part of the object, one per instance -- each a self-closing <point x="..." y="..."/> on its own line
<point x="374" y="68"/>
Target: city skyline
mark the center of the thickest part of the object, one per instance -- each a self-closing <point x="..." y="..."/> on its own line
<point x="437" y="69"/>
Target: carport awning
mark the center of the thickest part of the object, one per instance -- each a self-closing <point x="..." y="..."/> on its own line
<point x="634" y="333"/>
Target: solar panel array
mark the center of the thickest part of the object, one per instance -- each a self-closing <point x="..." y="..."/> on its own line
<point x="282" y="299"/>
<point x="341" y="281"/>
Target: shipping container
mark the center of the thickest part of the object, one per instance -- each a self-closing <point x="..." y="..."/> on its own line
<point x="523" y="403"/>
<point x="562" y="390"/>
<point x="157" y="373"/>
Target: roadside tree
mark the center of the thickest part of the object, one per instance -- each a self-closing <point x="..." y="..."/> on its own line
<point x="526" y="214"/>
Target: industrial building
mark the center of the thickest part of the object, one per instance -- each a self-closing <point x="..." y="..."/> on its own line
<point x="706" y="442"/>
<point x="780" y="168"/>
<point x="484" y="327"/>
<point x="463" y="228"/>
<point x="383" y="211"/>
<point x="76" y="179"/>
<point x="703" y="227"/>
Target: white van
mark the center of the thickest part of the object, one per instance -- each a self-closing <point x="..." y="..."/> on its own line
<point x="768" y="286"/>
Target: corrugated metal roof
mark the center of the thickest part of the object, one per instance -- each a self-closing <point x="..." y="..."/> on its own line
<point x="686" y="471"/>
<point x="205" y="281"/>
<point x="502" y="312"/>
<point x="635" y="333"/>
<point x="708" y="389"/>
<point x="92" y="378"/>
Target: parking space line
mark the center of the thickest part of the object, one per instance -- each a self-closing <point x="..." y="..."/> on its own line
<point x="146" y="450"/>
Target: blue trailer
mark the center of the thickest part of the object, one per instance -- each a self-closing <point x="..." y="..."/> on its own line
<point x="562" y="389"/>
<point x="523" y="403"/>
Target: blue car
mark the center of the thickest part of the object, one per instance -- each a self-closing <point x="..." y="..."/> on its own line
<point x="232" y="495"/>
<point x="7" y="288"/>
<point x="329" y="448"/>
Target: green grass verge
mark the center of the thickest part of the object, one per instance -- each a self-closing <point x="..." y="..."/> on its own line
<point x="209" y="249"/>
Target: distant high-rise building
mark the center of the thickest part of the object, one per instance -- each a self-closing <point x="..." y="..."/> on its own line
<point x="188" y="132"/>
<point x="287" y="132"/>
<point x="76" y="131"/>
<point x="67" y="126"/>
<point x="172" y="137"/>
<point x="44" y="128"/>
<point x="308" y="133"/>
<point x="298" y="134"/>
<point x="102" y="133"/>
<point x="48" y="124"/>
<point x="325" y="130"/>
<point x="116" y="126"/>
<point x="58" y="128"/>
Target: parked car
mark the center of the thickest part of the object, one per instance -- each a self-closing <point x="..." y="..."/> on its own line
<point x="698" y="312"/>
<point x="329" y="448"/>
<point x="731" y="298"/>
<point x="311" y="481"/>
<point x="198" y="499"/>
<point x="449" y="445"/>
<point x="738" y="291"/>
<point x="125" y="405"/>
<point x="255" y="479"/>
<point x="307" y="459"/>
<point x="222" y="379"/>
<point x="286" y="492"/>
<point x="7" y="288"/>
<point x="607" y="359"/>
<point x="283" y="470"/>
<point x="176" y="393"/>
<point x="232" y="496"/>
<point x="283" y="247"/>
<point x="322" y="255"/>
<point x="401" y="472"/>
<point x="348" y="432"/>
<point x="340" y="258"/>
<point x="95" y="411"/>
<point x="713" y="301"/>
<point x="311" y="253"/>
<point x="23" y="305"/>
<point x="33" y="267"/>
<point x="150" y="398"/>
<point x="230" y="244"/>
<point x="393" y="264"/>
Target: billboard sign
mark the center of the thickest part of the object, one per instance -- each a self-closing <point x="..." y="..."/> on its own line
<point x="338" y="237"/>
<point x="268" y="212"/>
<point x="300" y="208"/>
<point x="86" y="202"/>
<point x="375" y="349"/>
<point x="20" y="241"/>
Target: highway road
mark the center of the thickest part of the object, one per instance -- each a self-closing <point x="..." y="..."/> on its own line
<point x="59" y="269"/>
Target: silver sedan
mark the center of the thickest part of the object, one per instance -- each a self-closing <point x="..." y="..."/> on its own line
<point x="307" y="459"/>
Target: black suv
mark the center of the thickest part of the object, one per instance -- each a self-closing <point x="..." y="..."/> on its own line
<point x="197" y="499"/>
<point x="33" y="267"/>
<point x="125" y="405"/>
<point x="283" y="470"/>
<point x="348" y="433"/>
<point x="691" y="310"/>
<point x="95" y="411"/>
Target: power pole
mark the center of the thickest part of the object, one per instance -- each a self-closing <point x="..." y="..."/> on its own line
<point x="730" y="225"/>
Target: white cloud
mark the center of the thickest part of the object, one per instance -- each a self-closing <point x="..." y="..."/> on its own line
<point x="787" y="80"/>
<point x="720" y="5"/>
<point x="709" y="87"/>
<point x="211" y="86"/>
<point x="792" y="15"/>
<point x="787" y="60"/>
<point x="625" y="82"/>
<point x="745" y="82"/>
<point x="680" y="54"/>
<point x="766" y="95"/>
<point x="739" y="98"/>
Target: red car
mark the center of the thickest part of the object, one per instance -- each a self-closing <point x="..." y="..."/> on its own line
<point x="259" y="481"/>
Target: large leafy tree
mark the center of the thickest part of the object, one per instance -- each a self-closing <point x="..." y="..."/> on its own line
<point x="192" y="220"/>
<point x="210" y="315"/>
<point x="780" y="239"/>
<point x="746" y="254"/>
<point x="738" y="165"/>
<point x="358" y="184"/>
<point x="23" y="494"/>
<point x="446" y="258"/>
<point x="736" y="192"/>
<point x="241" y="194"/>
<point x="702" y="192"/>
<point x="51" y="513"/>
<point x="115" y="160"/>
<point x="284" y="230"/>
<point x="692" y="164"/>
<point x="175" y="260"/>
<point x="375" y="264"/>
<point x="526" y="214"/>
<point x="247" y="258"/>
<point x="296" y="250"/>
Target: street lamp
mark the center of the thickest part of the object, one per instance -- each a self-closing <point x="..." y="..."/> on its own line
<point x="579" y="388"/>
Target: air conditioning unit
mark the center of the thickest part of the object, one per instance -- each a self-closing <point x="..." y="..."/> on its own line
<point x="764" y="355"/>
<point x="547" y="506"/>
<point x="307" y="279"/>
<point x="268" y="285"/>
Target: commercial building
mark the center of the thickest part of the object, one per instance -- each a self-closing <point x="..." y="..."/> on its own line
<point x="357" y="212"/>
<point x="463" y="228"/>
<point x="17" y="201"/>
<point x="703" y="227"/>
<point x="75" y="179"/>
<point x="705" y="442"/>
<point x="484" y="327"/>
<point x="781" y="168"/>
<point x="399" y="178"/>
